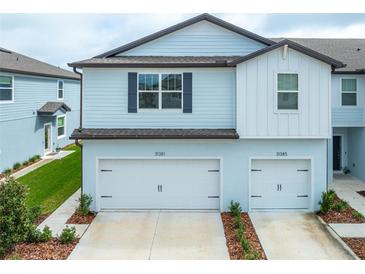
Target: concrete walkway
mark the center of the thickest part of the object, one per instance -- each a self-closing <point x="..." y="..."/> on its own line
<point x="346" y="187"/>
<point x="296" y="236"/>
<point x="57" y="220"/>
<point x="45" y="160"/>
<point x="158" y="235"/>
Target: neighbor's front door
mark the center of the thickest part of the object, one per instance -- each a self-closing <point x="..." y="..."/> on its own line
<point x="337" y="153"/>
<point x="47" y="139"/>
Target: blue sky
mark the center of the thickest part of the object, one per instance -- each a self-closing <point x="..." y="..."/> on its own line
<point x="62" y="38"/>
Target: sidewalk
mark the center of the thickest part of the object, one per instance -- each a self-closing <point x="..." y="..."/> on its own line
<point x="45" y="160"/>
<point x="346" y="187"/>
<point x="57" y="220"/>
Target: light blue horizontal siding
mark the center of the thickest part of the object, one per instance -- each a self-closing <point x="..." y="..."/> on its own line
<point x="347" y="116"/>
<point x="21" y="130"/>
<point x="234" y="153"/>
<point x="200" y="39"/>
<point x="106" y="106"/>
<point x="30" y="93"/>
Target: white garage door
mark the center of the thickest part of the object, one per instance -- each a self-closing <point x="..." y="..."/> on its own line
<point x="280" y="184"/>
<point x="159" y="184"/>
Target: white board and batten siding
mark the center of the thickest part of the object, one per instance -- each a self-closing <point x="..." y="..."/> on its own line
<point x="200" y="39"/>
<point x="257" y="115"/>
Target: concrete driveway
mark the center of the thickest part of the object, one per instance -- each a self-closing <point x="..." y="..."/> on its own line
<point x="153" y="235"/>
<point x="296" y="236"/>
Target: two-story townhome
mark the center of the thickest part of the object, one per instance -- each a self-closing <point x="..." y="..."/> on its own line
<point x="202" y="113"/>
<point x="346" y="150"/>
<point x="39" y="107"/>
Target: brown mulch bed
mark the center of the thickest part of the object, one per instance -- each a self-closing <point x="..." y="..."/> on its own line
<point x="357" y="245"/>
<point x="341" y="217"/>
<point x="234" y="247"/>
<point x="51" y="250"/>
<point x="362" y="193"/>
<point x="77" y="218"/>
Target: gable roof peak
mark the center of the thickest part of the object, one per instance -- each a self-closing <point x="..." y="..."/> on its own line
<point x="204" y="16"/>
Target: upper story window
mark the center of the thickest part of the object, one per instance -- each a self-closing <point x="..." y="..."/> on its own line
<point x="160" y="91"/>
<point x="61" y="132"/>
<point x="348" y="92"/>
<point x="60" y="91"/>
<point x="287" y="91"/>
<point x="6" y="89"/>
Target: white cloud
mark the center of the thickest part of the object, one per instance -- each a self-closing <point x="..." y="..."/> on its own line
<point x="350" y="31"/>
<point x="251" y="22"/>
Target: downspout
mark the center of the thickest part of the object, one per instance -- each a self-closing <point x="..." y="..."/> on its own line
<point x="80" y="128"/>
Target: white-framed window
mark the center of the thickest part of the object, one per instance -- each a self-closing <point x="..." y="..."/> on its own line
<point x="60" y="89"/>
<point x="287" y="92"/>
<point x="6" y="89"/>
<point x="349" y="92"/>
<point x="61" y="126"/>
<point x="160" y="91"/>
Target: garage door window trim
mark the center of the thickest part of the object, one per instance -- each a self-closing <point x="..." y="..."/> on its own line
<point x="99" y="158"/>
<point x="312" y="170"/>
<point x="164" y="95"/>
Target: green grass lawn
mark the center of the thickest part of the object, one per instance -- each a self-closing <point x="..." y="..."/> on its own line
<point x="51" y="184"/>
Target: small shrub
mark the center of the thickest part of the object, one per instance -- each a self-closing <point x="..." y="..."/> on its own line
<point x="357" y="215"/>
<point x="341" y="206"/>
<point x="17" y="165"/>
<point x="235" y="208"/>
<point x="14" y="216"/>
<point x="34" y="158"/>
<point x="327" y="201"/>
<point x="253" y="255"/>
<point x="46" y="234"/>
<point x="37" y="157"/>
<point x="25" y="163"/>
<point x="34" y="213"/>
<point x="34" y="235"/>
<point x="68" y="235"/>
<point x="7" y="171"/>
<point x="15" y="257"/>
<point x="84" y="204"/>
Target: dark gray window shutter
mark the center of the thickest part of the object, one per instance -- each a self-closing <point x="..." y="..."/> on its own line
<point x="132" y="92"/>
<point x="188" y="92"/>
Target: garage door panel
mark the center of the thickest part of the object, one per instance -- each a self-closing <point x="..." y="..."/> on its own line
<point x="134" y="184"/>
<point x="280" y="184"/>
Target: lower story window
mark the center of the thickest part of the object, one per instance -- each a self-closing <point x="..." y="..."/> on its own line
<point x="61" y="126"/>
<point x="287" y="100"/>
<point x="148" y="100"/>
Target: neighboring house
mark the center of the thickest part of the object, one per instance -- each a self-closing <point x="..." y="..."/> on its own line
<point x="347" y="148"/>
<point x="39" y="107"/>
<point x="203" y="113"/>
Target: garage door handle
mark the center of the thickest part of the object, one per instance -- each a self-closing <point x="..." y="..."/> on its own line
<point x="256" y="170"/>
<point x="302" y="169"/>
<point x="211" y="197"/>
<point x="213" y="170"/>
<point x="105" y="196"/>
<point x="106" y="170"/>
<point x="302" y="196"/>
<point x="256" y="196"/>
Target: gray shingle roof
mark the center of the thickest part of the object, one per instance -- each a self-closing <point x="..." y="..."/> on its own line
<point x="158" y="133"/>
<point x="344" y="50"/>
<point x="11" y="61"/>
<point x="156" y="61"/>
<point x="50" y="108"/>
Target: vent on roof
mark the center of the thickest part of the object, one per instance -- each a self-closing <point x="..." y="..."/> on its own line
<point x="358" y="49"/>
